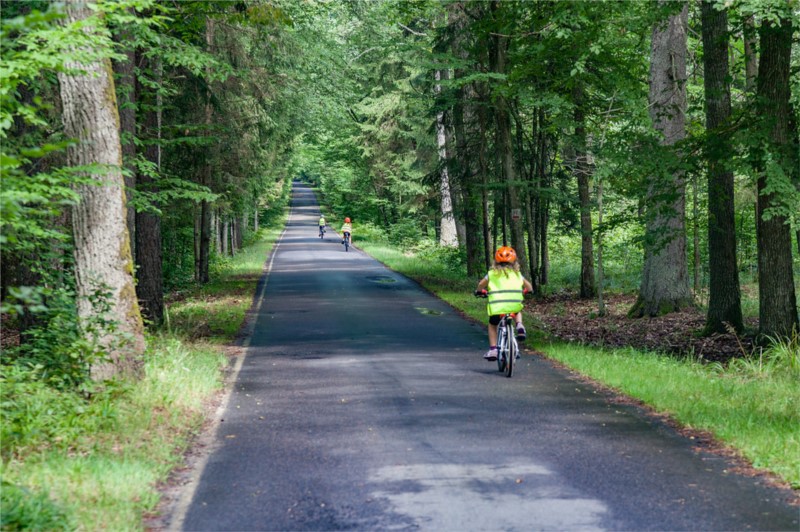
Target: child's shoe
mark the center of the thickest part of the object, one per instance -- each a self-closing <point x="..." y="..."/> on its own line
<point x="491" y="354"/>
<point x="521" y="334"/>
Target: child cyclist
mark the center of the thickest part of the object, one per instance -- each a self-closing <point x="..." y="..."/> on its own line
<point x="506" y="288"/>
<point x="347" y="230"/>
<point x="322" y="224"/>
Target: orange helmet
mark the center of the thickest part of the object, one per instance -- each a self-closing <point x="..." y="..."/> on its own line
<point x="347" y="220"/>
<point x="505" y="254"/>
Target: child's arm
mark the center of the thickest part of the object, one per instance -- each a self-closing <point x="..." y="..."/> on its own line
<point x="483" y="283"/>
<point x="527" y="285"/>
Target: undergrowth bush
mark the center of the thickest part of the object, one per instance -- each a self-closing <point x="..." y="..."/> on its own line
<point x="55" y="349"/>
<point x="24" y="509"/>
<point x="781" y="359"/>
<point x="37" y="417"/>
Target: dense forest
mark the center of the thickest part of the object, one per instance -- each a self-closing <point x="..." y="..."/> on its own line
<point x="646" y="146"/>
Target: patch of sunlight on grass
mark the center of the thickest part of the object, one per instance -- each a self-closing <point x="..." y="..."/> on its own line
<point x="101" y="492"/>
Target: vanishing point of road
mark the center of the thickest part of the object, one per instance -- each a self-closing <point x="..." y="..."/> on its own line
<point x="363" y="403"/>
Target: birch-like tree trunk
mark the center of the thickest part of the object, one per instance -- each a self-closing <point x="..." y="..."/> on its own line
<point x="665" y="275"/>
<point x="448" y="235"/>
<point x="750" y="55"/>
<point x="103" y="263"/>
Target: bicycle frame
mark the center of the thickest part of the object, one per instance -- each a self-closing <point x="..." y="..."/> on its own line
<point x="507" y="347"/>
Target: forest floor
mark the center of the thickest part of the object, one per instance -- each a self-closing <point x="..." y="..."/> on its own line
<point x="566" y="317"/>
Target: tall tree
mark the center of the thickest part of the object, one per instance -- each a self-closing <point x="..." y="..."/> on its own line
<point x="448" y="235"/>
<point x="724" y="303"/>
<point x="125" y="69"/>
<point x="103" y="263"/>
<point x="777" y="298"/>
<point x="204" y="233"/>
<point x="665" y="277"/>
<point x="465" y="130"/>
<point x="503" y="144"/>
<point x="148" y="252"/>
<point x="582" y="170"/>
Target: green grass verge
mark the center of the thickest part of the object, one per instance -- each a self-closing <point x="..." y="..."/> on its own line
<point x="95" y="464"/>
<point x="751" y="406"/>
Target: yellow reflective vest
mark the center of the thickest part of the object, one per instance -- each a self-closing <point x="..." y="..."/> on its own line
<point x="505" y="292"/>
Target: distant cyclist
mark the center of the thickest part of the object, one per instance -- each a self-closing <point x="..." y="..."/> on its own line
<point x="321" y="224"/>
<point x="506" y="288"/>
<point x="347" y="231"/>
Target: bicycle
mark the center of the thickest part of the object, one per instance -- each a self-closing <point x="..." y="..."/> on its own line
<point x="507" y="346"/>
<point x="321" y="231"/>
<point x="346" y="241"/>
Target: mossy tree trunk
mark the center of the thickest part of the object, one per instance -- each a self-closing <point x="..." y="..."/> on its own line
<point x="665" y="275"/>
<point x="103" y="264"/>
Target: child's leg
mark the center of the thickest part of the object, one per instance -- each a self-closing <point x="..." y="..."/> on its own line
<point x="492" y="335"/>
<point x="518" y="318"/>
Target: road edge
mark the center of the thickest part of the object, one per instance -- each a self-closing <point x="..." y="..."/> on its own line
<point x="208" y="441"/>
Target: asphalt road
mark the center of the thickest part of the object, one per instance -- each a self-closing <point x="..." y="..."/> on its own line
<point x="363" y="403"/>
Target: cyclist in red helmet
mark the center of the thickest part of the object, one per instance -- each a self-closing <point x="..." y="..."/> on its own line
<point x="506" y="288"/>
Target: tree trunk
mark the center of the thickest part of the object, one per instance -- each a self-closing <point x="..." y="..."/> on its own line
<point x="665" y="276"/>
<point x="505" y="149"/>
<point x="583" y="172"/>
<point x="224" y="236"/>
<point x="724" y="302"/>
<point x="205" y="206"/>
<point x="150" y="277"/>
<point x="750" y="55"/>
<point x="777" y="298"/>
<point x="463" y="124"/>
<point x="255" y="216"/>
<point x="484" y="179"/>
<point x="126" y="99"/>
<point x="544" y="263"/>
<point x="103" y="264"/>
<point x="601" y="304"/>
<point x="448" y="235"/>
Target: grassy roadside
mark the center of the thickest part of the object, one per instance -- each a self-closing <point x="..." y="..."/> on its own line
<point x="750" y="406"/>
<point x="96" y="464"/>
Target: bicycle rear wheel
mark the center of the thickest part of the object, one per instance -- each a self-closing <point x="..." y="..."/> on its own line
<point x="502" y="347"/>
<point x="511" y="354"/>
<point x="347" y="243"/>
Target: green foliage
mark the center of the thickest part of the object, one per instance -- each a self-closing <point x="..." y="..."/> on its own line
<point x="57" y="349"/>
<point x="780" y="357"/>
<point x="37" y="417"/>
<point x="24" y="509"/>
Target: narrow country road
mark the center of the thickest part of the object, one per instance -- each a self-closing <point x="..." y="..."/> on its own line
<point x="363" y="403"/>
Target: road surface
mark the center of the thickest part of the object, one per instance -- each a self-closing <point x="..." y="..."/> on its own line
<point x="363" y="403"/>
